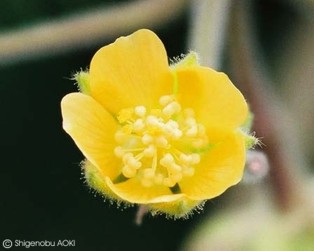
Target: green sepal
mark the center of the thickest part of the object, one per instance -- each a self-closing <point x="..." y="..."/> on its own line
<point x="179" y="209"/>
<point x="248" y="123"/>
<point x="95" y="179"/>
<point x="82" y="80"/>
<point x="191" y="59"/>
<point x="251" y="141"/>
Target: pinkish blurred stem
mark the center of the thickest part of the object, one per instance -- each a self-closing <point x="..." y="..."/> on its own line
<point x="140" y="214"/>
<point x="252" y="79"/>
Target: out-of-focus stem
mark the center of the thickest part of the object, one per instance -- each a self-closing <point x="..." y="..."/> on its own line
<point x="83" y="29"/>
<point x="141" y="212"/>
<point x="252" y="79"/>
<point x="305" y="6"/>
<point x="207" y="32"/>
<point x="296" y="71"/>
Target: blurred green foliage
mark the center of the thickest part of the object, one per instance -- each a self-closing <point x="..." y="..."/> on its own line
<point x="23" y="12"/>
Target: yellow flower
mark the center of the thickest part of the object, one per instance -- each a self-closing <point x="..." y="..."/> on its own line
<point x="168" y="137"/>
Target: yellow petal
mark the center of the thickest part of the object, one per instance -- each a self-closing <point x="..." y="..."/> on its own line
<point x="132" y="191"/>
<point x="221" y="167"/>
<point x="92" y="128"/>
<point x="181" y="207"/>
<point x="131" y="71"/>
<point x="215" y="100"/>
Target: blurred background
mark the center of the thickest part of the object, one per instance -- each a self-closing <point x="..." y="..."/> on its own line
<point x="267" y="49"/>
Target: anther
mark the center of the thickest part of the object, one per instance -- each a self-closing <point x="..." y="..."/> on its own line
<point x="166" y="160"/>
<point x="174" y="168"/>
<point x="191" y="132"/>
<point x="176" y="134"/>
<point x="149" y="151"/>
<point x="189" y="159"/>
<point x="138" y="125"/>
<point x="165" y="100"/>
<point x="184" y="158"/>
<point x="132" y="162"/>
<point x="196" y="158"/>
<point x="172" y="124"/>
<point x="140" y="111"/>
<point x="126" y="157"/>
<point x="171" y="128"/>
<point x="171" y="109"/>
<point x="190" y="121"/>
<point x="152" y="121"/>
<point x="147" y="139"/>
<point x="128" y="171"/>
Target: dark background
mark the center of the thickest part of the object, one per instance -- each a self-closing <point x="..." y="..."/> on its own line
<point x="43" y="194"/>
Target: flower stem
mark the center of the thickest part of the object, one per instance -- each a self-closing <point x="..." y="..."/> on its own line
<point x="251" y="76"/>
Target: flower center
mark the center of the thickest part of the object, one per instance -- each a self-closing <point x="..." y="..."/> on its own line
<point x="160" y="146"/>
